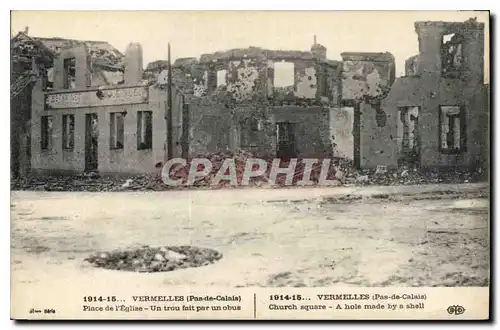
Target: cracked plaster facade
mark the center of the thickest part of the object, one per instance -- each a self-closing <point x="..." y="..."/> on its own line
<point x="249" y="93"/>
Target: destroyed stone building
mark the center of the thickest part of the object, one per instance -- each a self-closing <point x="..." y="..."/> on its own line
<point x="279" y="103"/>
<point x="32" y="59"/>
<point x="103" y="112"/>
<point x="259" y="100"/>
<point x="440" y="109"/>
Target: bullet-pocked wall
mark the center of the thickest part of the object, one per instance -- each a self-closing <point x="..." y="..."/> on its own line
<point x="366" y="81"/>
<point x="236" y="89"/>
<point x="111" y="129"/>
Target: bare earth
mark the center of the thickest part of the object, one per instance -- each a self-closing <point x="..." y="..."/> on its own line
<point x="429" y="235"/>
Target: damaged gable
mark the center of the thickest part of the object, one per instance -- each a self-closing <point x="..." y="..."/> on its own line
<point x="107" y="63"/>
<point x="101" y="52"/>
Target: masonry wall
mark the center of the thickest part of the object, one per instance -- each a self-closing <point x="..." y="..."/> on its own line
<point x="263" y="143"/>
<point x="366" y="75"/>
<point x="19" y="133"/>
<point x="429" y="94"/>
<point x="341" y="132"/>
<point x="20" y="115"/>
<point x="209" y="129"/>
<point x="312" y="129"/>
<point x="377" y="137"/>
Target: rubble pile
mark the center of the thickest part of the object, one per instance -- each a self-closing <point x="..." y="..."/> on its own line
<point x="149" y="259"/>
<point x="217" y="159"/>
<point x="240" y="160"/>
<point x="89" y="182"/>
<point x="411" y="176"/>
<point x="340" y="172"/>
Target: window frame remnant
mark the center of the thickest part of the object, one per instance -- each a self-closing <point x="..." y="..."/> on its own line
<point x="221" y="77"/>
<point x="68" y="123"/>
<point x="410" y="142"/>
<point x="452" y="54"/>
<point x="144" y="130"/>
<point x="282" y="132"/>
<point x="46" y="134"/>
<point x="69" y="74"/>
<point x="452" y="129"/>
<point x="286" y="139"/>
<point x="116" y="130"/>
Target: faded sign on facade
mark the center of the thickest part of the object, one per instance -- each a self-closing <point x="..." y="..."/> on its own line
<point x="96" y="98"/>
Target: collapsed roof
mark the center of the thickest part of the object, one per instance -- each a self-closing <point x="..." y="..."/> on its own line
<point x="24" y="48"/>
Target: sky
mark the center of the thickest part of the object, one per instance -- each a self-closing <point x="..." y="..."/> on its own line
<point x="193" y="33"/>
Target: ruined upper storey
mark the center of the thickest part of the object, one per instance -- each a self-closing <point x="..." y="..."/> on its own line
<point x="255" y="73"/>
<point x="449" y="49"/>
<point x="367" y="76"/>
<point x="106" y="63"/>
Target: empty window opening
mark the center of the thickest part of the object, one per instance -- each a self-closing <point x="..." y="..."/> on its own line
<point x="284" y="74"/>
<point x="46" y="136"/>
<point x="249" y="129"/>
<point x="447" y="37"/>
<point x="69" y="73"/>
<point x="283" y="132"/>
<point x="452" y="126"/>
<point x="116" y="130"/>
<point x="49" y="79"/>
<point x="221" y="77"/>
<point x="68" y="132"/>
<point x="409" y="117"/>
<point x="144" y="130"/>
<point x="451" y="53"/>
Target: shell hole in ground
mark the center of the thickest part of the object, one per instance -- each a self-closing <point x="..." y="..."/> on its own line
<point x="155" y="259"/>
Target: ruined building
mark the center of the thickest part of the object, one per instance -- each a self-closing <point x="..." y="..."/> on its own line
<point x="32" y="59"/>
<point x="260" y="100"/>
<point x="77" y="126"/>
<point x="273" y="103"/>
<point x="278" y="103"/>
<point x="439" y="111"/>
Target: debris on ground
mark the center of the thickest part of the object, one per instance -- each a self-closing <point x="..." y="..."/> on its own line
<point x="340" y="172"/>
<point x="363" y="179"/>
<point x="148" y="259"/>
<point x="127" y="183"/>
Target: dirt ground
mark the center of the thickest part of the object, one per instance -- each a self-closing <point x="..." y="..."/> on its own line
<point x="429" y="235"/>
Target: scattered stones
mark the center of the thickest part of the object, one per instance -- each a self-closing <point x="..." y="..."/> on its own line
<point x="363" y="179"/>
<point x="340" y="170"/>
<point x="381" y="169"/>
<point x="148" y="259"/>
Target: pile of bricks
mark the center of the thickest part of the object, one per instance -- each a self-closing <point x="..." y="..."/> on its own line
<point x="240" y="161"/>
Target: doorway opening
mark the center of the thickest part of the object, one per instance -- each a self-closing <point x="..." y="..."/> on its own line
<point x="286" y="147"/>
<point x="410" y="142"/>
